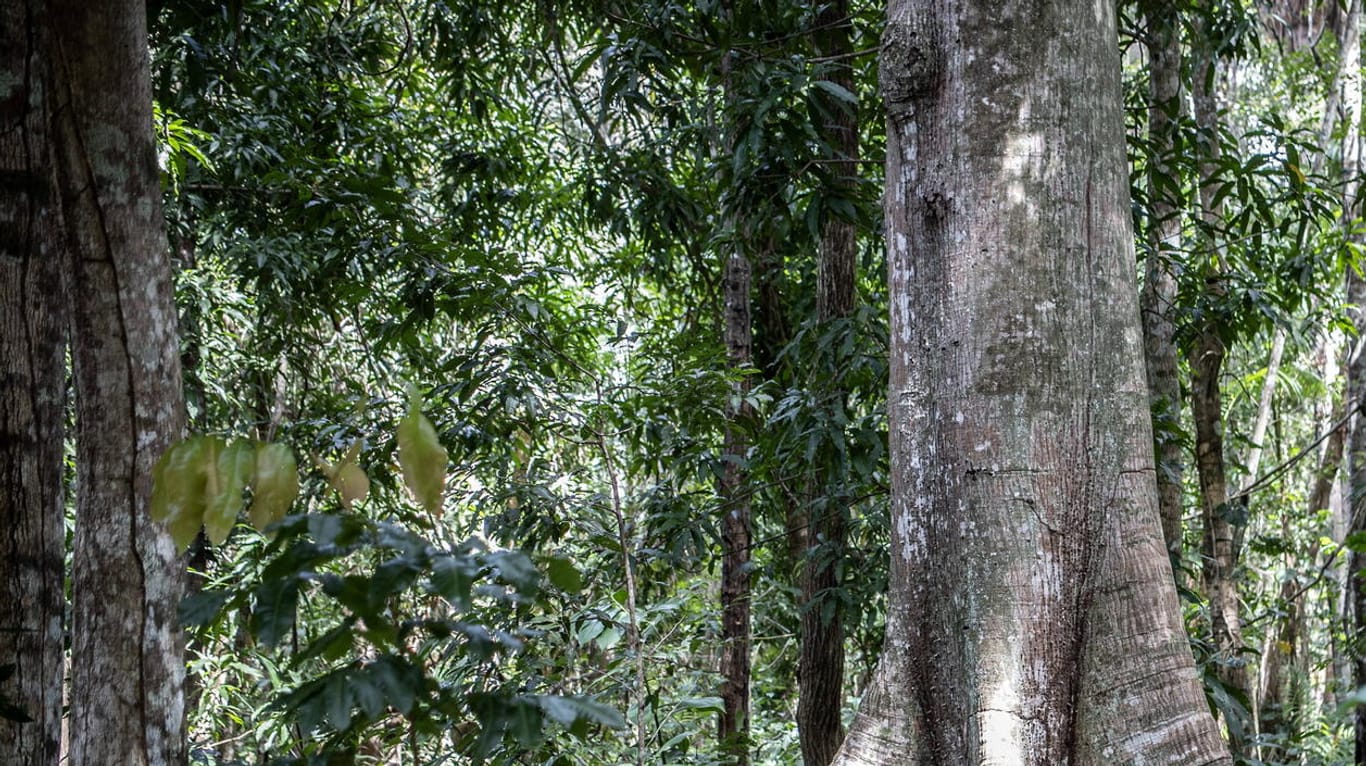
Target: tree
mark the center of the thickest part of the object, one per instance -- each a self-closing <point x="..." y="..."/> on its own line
<point x="32" y="402"/>
<point x="1158" y="299"/>
<point x="821" y="665"/>
<point x="1032" y="618"/>
<point x="85" y="106"/>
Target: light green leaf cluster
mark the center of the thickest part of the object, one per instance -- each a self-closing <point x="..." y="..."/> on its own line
<point x="202" y="480"/>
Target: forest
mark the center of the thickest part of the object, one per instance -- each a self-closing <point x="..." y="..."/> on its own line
<point x="712" y="382"/>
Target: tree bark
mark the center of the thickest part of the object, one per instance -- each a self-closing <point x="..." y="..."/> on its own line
<point x="1032" y="617"/>
<point x="735" y="491"/>
<point x="1219" y="535"/>
<point x="820" y="670"/>
<point x="32" y="398"/>
<point x="735" y="522"/>
<point x="1158" y="299"/>
<point x="1347" y="85"/>
<point x="127" y="670"/>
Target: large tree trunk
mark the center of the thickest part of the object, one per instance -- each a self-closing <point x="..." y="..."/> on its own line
<point x="32" y="384"/>
<point x="1158" y="298"/>
<point x="821" y="664"/>
<point x="127" y="655"/>
<point x="1032" y="617"/>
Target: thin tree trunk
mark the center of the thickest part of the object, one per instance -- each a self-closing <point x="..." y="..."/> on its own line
<point x="1219" y="538"/>
<point x="32" y="393"/>
<point x="1264" y="401"/>
<point x="1158" y="298"/>
<point x="735" y="491"/>
<point x="821" y="664"/>
<point x="127" y="672"/>
<point x="1032" y="616"/>
<point x="735" y="523"/>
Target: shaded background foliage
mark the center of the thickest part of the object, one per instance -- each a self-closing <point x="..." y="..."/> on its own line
<point x="525" y="209"/>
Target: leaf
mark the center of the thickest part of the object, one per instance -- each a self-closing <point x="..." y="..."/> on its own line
<point x="276" y="603"/>
<point x="275" y="485"/>
<point x="421" y="456"/>
<point x="202" y="608"/>
<point x="838" y="91"/>
<point x="234" y="466"/>
<point x="400" y="681"/>
<point x="516" y="569"/>
<point x="337" y="694"/>
<point x="179" y="481"/>
<point x="567" y="710"/>
<point x="563" y="574"/>
<point x="351" y="483"/>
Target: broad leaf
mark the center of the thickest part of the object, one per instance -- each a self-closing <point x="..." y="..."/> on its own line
<point x="233" y="469"/>
<point x="421" y="456"/>
<point x="275" y="486"/>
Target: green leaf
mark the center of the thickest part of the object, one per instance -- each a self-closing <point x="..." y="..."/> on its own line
<point x="179" y="483"/>
<point x="516" y="569"/>
<point x="351" y="483"/>
<point x="233" y="469"/>
<point x="568" y="710"/>
<point x="838" y="91"/>
<point x="337" y="693"/>
<point x="525" y="723"/>
<point x="563" y="574"/>
<point x="400" y="681"/>
<point x="421" y="456"/>
<point x="1356" y="542"/>
<point x="275" y="485"/>
<point x="276" y="603"/>
<point x="202" y="608"/>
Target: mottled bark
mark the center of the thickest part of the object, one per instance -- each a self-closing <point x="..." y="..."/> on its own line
<point x="1219" y="541"/>
<point x="735" y="521"/>
<point x="820" y="669"/>
<point x="1347" y="85"/>
<point x="32" y="385"/>
<point x="127" y="668"/>
<point x="735" y="491"/>
<point x="1032" y="616"/>
<point x="1157" y="300"/>
<point x="1219" y="538"/>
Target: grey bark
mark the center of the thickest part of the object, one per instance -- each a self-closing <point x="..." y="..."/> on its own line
<point x="735" y="492"/>
<point x="1158" y="298"/>
<point x="1219" y="550"/>
<point x="127" y="671"/>
<point x="32" y="393"/>
<point x="1347" y="85"/>
<point x="1032" y="617"/>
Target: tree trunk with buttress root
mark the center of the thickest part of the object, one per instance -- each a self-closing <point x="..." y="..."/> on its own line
<point x="1032" y="617"/>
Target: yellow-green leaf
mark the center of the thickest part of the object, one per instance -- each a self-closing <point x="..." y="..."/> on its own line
<point x="421" y="456"/>
<point x="352" y="483"/>
<point x="275" y="486"/>
<point x="179" y="482"/>
<point x="235" y="464"/>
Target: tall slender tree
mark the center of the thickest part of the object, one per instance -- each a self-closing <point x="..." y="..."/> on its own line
<point x="1032" y="618"/>
<point x="1219" y="547"/>
<point x="1158" y="299"/>
<point x="32" y="384"/>
<point x="821" y="664"/>
<point x="735" y="492"/>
